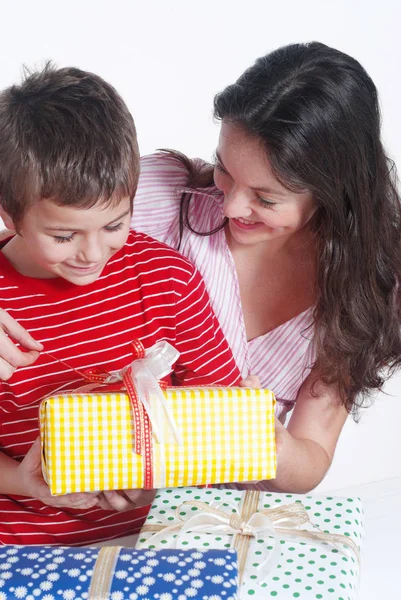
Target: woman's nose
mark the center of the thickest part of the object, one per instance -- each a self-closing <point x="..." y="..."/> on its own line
<point x="236" y="204"/>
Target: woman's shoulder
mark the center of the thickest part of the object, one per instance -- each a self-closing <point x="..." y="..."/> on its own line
<point x="164" y="177"/>
<point x="170" y="166"/>
<point x="163" y="163"/>
<point x="157" y="199"/>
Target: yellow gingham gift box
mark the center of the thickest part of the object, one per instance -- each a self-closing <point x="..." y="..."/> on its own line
<point x="227" y="435"/>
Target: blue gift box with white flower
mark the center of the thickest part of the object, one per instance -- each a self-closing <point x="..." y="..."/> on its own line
<point x="115" y="573"/>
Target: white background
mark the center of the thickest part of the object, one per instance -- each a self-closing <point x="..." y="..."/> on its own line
<point x="169" y="58"/>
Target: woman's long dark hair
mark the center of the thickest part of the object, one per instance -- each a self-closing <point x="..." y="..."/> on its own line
<point x="317" y="112"/>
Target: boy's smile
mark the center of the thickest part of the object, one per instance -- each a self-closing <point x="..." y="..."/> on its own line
<point x="68" y="242"/>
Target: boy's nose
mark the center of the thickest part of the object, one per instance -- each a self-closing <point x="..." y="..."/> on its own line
<point x="91" y="251"/>
<point x="236" y="204"/>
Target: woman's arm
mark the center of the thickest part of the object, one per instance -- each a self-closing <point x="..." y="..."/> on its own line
<point x="157" y="199"/>
<point x="306" y="448"/>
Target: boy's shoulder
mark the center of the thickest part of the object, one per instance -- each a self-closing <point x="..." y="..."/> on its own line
<point x="142" y="247"/>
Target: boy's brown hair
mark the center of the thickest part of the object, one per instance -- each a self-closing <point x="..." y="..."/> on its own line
<point x="65" y="134"/>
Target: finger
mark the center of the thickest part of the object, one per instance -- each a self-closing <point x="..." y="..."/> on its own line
<point x="82" y="503"/>
<point x="80" y="497"/>
<point x="81" y="500"/>
<point x="32" y="459"/>
<point x="14" y="356"/>
<point x="65" y="502"/>
<point x="29" y="357"/>
<point x="103" y="503"/>
<point x="6" y="370"/>
<point x="281" y="434"/>
<point x="251" y="381"/>
<point x="141" y="497"/>
<point x="117" y="501"/>
<point x="18" y="333"/>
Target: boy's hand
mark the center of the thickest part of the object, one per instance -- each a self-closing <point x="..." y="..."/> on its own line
<point x="33" y="484"/>
<point x="10" y="356"/>
<point x="122" y="500"/>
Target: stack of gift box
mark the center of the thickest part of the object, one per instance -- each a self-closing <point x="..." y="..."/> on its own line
<point x="197" y="542"/>
<point x="308" y="547"/>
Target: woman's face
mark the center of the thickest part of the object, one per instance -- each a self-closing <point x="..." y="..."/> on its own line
<point x="258" y="207"/>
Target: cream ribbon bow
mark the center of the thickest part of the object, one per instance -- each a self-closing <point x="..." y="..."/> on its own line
<point x="282" y="521"/>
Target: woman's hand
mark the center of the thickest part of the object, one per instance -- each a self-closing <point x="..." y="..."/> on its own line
<point x="306" y="447"/>
<point x="252" y="381"/>
<point x="282" y="438"/>
<point x="29" y="473"/>
<point x="122" y="500"/>
<point x="10" y="356"/>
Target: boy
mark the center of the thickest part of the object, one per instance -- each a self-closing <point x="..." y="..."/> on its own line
<point x="83" y="285"/>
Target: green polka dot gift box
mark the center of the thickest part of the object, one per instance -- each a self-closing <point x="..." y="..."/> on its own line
<point x="289" y="546"/>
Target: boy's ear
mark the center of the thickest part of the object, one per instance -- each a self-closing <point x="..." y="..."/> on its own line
<point x="8" y="222"/>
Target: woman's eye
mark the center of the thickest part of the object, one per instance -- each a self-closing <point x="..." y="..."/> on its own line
<point x="114" y="227"/>
<point x="266" y="203"/>
<point x="60" y="239"/>
<point x="219" y="167"/>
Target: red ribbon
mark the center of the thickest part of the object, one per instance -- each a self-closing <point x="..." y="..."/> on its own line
<point x="142" y="425"/>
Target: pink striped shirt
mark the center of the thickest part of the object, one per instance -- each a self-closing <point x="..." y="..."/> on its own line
<point x="283" y="357"/>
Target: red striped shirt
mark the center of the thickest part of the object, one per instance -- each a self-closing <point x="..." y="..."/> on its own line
<point x="146" y="291"/>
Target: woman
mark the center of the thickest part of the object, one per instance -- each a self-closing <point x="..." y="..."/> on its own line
<point x="297" y="239"/>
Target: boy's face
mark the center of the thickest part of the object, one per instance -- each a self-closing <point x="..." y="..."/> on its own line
<point x="70" y="242"/>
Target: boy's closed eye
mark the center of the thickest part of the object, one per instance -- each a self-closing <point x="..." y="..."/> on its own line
<point x="60" y="239"/>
